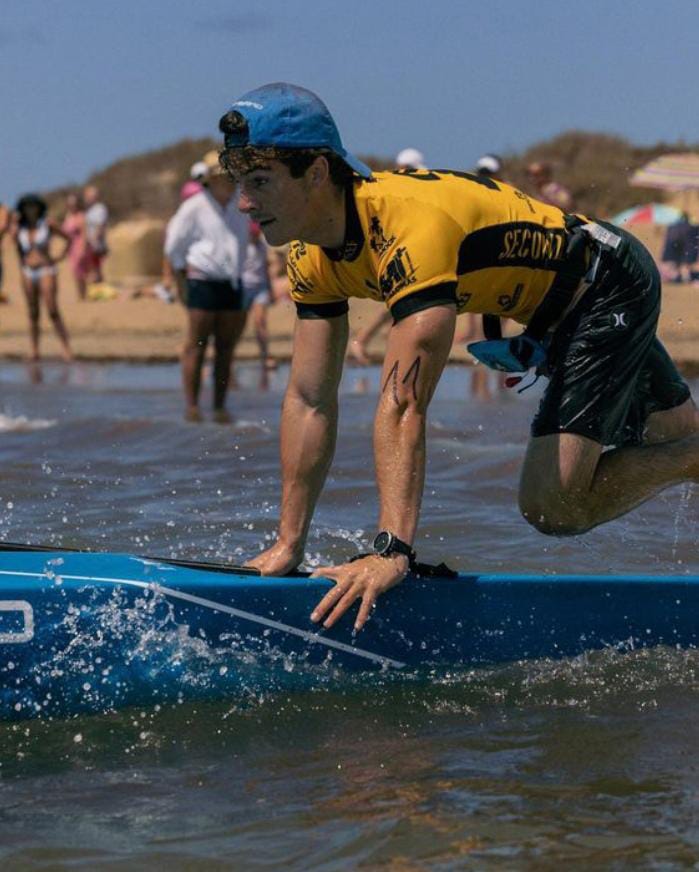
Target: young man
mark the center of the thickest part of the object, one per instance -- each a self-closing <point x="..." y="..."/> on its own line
<point x="430" y="245"/>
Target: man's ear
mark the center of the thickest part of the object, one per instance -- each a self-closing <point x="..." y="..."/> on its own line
<point x="319" y="171"/>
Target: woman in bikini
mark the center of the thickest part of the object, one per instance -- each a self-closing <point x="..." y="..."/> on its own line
<point x="32" y="233"/>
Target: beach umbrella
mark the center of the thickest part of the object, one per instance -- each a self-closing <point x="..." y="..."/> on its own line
<point x="650" y="213"/>
<point x="670" y="172"/>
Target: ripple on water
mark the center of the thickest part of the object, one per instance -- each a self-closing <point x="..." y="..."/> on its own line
<point x="587" y="762"/>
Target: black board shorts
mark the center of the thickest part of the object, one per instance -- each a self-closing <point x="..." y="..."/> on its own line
<point x="607" y="370"/>
<point x="213" y="295"/>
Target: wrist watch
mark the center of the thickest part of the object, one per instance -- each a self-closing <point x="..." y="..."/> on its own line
<point x="387" y="543"/>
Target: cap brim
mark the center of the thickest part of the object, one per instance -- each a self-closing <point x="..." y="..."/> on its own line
<point x="357" y="165"/>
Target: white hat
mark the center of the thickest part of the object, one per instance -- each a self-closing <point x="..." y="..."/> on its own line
<point x="489" y="163"/>
<point x="411" y="157"/>
<point x="199" y="170"/>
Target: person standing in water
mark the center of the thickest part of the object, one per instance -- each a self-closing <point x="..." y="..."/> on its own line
<point x="32" y="233"/>
<point x="205" y="243"/>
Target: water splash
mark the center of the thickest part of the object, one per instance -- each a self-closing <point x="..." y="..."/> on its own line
<point x="124" y="649"/>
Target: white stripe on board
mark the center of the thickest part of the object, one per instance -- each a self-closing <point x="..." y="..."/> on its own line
<point x="228" y="610"/>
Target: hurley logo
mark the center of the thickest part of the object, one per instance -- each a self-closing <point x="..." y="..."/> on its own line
<point x="619" y="320"/>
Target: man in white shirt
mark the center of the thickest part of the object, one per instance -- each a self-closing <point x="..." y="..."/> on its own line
<point x="205" y="243"/>
<point x="96" y="218"/>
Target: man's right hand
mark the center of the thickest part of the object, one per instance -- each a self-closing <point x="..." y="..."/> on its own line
<point x="280" y="559"/>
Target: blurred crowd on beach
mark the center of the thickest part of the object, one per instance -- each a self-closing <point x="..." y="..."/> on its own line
<point x="214" y="261"/>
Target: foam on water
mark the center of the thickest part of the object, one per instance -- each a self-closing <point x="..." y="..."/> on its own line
<point x="23" y="424"/>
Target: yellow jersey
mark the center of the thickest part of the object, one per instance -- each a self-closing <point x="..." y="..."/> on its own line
<point x="419" y="238"/>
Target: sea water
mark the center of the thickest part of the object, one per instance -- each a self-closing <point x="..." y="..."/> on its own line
<point x="588" y="762"/>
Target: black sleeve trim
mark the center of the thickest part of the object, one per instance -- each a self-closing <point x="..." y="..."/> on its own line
<point x="436" y="295"/>
<point x="322" y="310"/>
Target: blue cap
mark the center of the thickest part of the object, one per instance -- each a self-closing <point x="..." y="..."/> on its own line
<point x="286" y="116"/>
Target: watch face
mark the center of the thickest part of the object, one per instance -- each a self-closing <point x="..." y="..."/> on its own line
<point x="382" y="542"/>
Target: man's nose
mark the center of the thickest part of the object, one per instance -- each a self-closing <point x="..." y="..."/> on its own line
<point x="245" y="204"/>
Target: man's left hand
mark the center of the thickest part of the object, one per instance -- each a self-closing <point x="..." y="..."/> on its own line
<point x="363" y="579"/>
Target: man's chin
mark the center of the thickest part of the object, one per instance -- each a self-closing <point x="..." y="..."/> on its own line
<point x="275" y="234"/>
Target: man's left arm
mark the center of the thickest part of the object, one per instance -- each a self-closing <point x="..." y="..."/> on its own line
<point x="416" y="353"/>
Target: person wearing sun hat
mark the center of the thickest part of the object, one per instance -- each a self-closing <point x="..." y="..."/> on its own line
<point x="431" y="244"/>
<point x="205" y="243"/>
<point x="195" y="183"/>
<point x="410" y="159"/>
<point x="491" y="166"/>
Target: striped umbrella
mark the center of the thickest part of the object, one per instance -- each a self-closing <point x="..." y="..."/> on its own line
<point x="650" y="213"/>
<point x="670" y="172"/>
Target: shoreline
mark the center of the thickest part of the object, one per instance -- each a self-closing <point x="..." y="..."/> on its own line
<point x="146" y="330"/>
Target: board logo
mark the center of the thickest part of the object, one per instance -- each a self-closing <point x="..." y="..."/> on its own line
<point x="12" y="612"/>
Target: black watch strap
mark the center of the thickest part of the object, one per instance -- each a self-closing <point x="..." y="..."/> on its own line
<point x="387" y="543"/>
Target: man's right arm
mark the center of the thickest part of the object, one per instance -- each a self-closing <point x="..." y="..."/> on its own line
<point x="308" y="435"/>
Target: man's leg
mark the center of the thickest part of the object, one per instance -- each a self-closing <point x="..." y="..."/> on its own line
<point x="201" y="325"/>
<point x="569" y="486"/>
<point x="229" y="326"/>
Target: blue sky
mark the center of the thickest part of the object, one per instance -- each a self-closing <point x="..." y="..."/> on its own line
<point x="84" y="83"/>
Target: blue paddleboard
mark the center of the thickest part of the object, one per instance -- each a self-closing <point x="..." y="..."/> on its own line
<point x="96" y="631"/>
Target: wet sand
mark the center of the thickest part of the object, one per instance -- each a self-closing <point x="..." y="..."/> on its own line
<point x="150" y="330"/>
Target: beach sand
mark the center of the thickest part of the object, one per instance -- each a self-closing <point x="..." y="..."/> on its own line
<point x="150" y="330"/>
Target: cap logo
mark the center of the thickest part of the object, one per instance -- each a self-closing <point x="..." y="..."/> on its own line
<point x="249" y="103"/>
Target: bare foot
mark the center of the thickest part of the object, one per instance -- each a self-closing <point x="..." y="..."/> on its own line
<point x="193" y="415"/>
<point x="222" y="416"/>
<point x="270" y="363"/>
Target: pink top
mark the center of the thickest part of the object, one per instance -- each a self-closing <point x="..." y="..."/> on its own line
<point x="74" y="227"/>
<point x="189" y="189"/>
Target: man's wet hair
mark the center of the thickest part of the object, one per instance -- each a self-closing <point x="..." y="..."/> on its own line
<point x="243" y="159"/>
